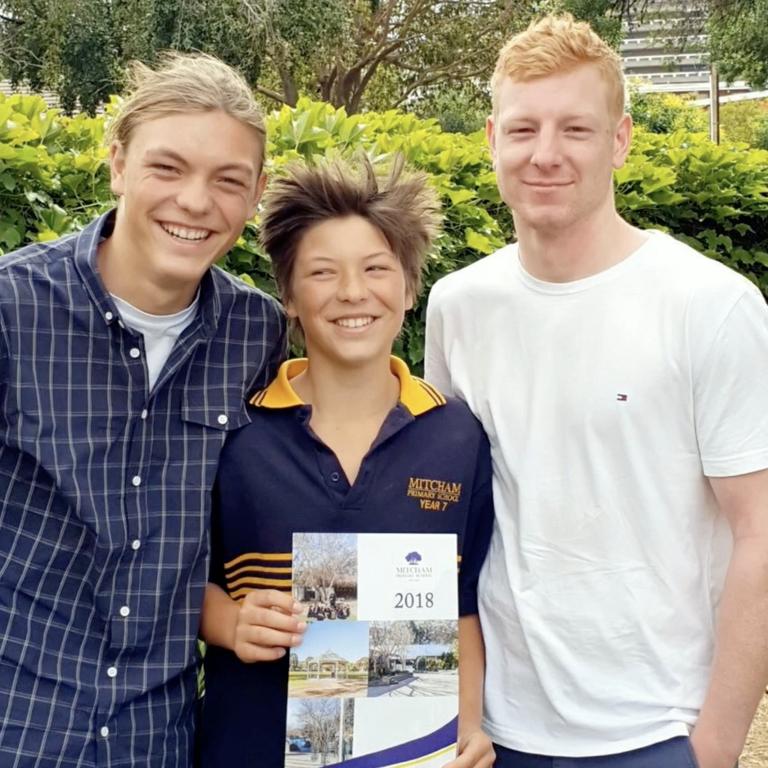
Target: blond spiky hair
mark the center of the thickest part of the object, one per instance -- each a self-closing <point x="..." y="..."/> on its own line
<point x="558" y="43"/>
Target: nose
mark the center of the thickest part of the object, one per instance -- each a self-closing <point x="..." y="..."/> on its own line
<point x="194" y="196"/>
<point x="352" y="286"/>
<point x="546" y="150"/>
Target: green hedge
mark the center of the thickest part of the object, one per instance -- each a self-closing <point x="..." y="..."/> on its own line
<point x="53" y="179"/>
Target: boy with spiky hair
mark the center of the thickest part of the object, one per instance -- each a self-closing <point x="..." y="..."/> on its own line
<point x="332" y="444"/>
<point x="125" y="358"/>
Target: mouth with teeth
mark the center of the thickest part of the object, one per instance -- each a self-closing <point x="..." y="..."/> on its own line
<point x="354" y="322"/>
<point x="185" y="234"/>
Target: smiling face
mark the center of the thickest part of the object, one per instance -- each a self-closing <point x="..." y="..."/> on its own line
<point x="187" y="183"/>
<point x="348" y="291"/>
<point x="555" y="142"/>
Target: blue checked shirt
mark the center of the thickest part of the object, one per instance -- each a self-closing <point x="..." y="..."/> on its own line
<point x="104" y="506"/>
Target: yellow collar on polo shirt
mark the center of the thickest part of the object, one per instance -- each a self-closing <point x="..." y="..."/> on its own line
<point x="415" y="394"/>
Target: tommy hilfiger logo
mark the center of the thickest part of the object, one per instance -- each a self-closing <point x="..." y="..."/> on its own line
<point x="435" y="495"/>
<point x="621" y="396"/>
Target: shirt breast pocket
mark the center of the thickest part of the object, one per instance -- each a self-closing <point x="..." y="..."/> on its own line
<point x="205" y="427"/>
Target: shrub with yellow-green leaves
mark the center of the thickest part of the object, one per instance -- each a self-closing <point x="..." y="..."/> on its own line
<point x="53" y="179"/>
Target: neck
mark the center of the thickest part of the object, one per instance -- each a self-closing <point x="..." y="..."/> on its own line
<point x="137" y="289"/>
<point x="578" y="251"/>
<point x="348" y="393"/>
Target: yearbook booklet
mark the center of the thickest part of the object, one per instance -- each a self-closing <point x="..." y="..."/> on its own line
<point x="374" y="683"/>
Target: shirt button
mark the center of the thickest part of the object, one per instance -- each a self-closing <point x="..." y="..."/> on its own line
<point x="112" y="672"/>
<point x="135" y="544"/>
<point x="222" y="419"/>
<point x="136" y="480"/>
<point x="335" y="477"/>
<point x="144" y="414"/>
<point x="104" y="731"/>
<point x="134" y="352"/>
<point x="108" y="315"/>
<point x="125" y="611"/>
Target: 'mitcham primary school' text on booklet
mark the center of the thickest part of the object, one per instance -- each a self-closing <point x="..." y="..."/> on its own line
<point x="375" y="682"/>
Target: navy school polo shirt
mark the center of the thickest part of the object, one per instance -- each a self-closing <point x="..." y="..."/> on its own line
<point x="276" y="477"/>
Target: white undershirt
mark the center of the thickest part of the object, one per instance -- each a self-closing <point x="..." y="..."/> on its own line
<point x="159" y="331"/>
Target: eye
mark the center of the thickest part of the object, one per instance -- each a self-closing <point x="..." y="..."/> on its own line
<point x="164" y="168"/>
<point x="519" y="131"/>
<point x="578" y="130"/>
<point x="233" y="182"/>
<point x="378" y="268"/>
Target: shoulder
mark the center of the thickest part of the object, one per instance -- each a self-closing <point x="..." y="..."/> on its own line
<point x="240" y="294"/>
<point x="478" y="276"/>
<point x="682" y="265"/>
<point x="36" y="257"/>
<point x="454" y="417"/>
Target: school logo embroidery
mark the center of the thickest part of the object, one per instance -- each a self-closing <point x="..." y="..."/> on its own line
<point x="434" y="495"/>
<point x="413" y="558"/>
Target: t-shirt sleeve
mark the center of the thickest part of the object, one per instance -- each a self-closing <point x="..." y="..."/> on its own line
<point x="436" y="370"/>
<point x="731" y="394"/>
<point x="477" y="534"/>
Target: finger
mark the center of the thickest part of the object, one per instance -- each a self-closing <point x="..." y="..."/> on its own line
<point x="476" y="752"/>
<point x="274" y="598"/>
<point x="264" y="636"/>
<point x="273" y="619"/>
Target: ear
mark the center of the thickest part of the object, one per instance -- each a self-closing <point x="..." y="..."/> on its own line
<point x="261" y="184"/>
<point x="290" y="308"/>
<point x="117" y="152"/>
<point x="622" y="141"/>
<point x="409" y="301"/>
<point x="490" y="135"/>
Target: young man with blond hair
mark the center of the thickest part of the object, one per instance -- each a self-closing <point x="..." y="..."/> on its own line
<point x="125" y="356"/>
<point x="620" y="376"/>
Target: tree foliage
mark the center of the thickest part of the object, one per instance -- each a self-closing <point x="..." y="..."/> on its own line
<point x="738" y="40"/>
<point x="351" y="53"/>
<point x="79" y="48"/>
<point x="322" y="561"/>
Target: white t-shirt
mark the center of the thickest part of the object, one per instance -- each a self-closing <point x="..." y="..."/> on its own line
<point x="607" y="401"/>
<point x="159" y="331"/>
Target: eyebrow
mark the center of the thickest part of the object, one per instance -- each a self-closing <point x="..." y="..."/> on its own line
<point x="166" y="152"/>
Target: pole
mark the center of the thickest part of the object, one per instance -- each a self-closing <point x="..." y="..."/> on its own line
<point x="714" y="104"/>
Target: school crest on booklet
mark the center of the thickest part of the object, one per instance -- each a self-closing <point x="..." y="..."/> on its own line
<point x="374" y="684"/>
